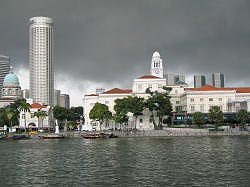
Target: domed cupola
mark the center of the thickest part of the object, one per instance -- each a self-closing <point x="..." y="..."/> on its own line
<point x="11" y="87"/>
<point x="11" y="79"/>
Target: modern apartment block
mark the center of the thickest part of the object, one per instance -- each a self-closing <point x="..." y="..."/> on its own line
<point x="41" y="60"/>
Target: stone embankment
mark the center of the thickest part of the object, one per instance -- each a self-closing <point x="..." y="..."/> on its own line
<point x="169" y="132"/>
<point x="179" y="132"/>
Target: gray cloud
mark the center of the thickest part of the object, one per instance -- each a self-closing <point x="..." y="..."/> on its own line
<point x="112" y="41"/>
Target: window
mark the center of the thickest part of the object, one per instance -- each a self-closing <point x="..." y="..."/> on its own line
<point x="177" y="102"/>
<point x="210" y="99"/>
<point x="220" y="99"/>
<point x="192" y="108"/>
<point x="201" y="99"/>
<point x="201" y="108"/>
<point x="106" y="102"/>
<point x="192" y="99"/>
<point x="23" y="116"/>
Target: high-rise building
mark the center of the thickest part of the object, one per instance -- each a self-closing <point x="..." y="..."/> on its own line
<point x="64" y="100"/>
<point x="156" y="65"/>
<point x="25" y="93"/>
<point x="175" y="79"/>
<point x="57" y="97"/>
<point x="4" y="69"/>
<point x="218" y="80"/>
<point x="199" y="81"/>
<point x="41" y="60"/>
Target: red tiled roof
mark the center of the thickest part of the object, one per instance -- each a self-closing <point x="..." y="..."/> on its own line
<point x="212" y="88"/>
<point x="7" y="99"/>
<point x="37" y="105"/>
<point x="91" y="95"/>
<point x="117" y="91"/>
<point x="148" y="77"/>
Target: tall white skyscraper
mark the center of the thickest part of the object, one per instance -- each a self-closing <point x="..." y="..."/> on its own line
<point x="4" y="69"/>
<point x="41" y="60"/>
<point x="156" y="65"/>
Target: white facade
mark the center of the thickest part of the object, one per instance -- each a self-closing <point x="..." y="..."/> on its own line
<point x="228" y="99"/>
<point x="32" y="121"/>
<point x="41" y="60"/>
<point x="156" y="65"/>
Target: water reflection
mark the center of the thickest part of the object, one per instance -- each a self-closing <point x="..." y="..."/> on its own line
<point x="171" y="161"/>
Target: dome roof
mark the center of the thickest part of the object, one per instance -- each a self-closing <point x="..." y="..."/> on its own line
<point x="11" y="77"/>
<point x="156" y="54"/>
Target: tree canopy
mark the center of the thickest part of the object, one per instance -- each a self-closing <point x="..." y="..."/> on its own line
<point x="215" y="115"/>
<point x="242" y="116"/>
<point x="159" y="104"/>
<point x="100" y="112"/>
<point x="198" y="118"/>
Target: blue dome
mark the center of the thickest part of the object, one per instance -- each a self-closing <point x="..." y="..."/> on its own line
<point x="11" y="77"/>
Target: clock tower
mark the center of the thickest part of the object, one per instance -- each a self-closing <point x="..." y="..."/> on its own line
<point x="156" y="65"/>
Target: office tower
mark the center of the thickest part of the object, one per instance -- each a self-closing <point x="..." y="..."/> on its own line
<point x="41" y="60"/>
<point x="156" y="65"/>
<point x="4" y="69"/>
<point x="199" y="81"/>
<point x="218" y="80"/>
<point x="175" y="79"/>
<point x="25" y="93"/>
<point x="57" y="97"/>
<point x="171" y="78"/>
<point x="64" y="100"/>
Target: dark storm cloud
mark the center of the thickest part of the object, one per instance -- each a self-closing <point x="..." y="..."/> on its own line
<point x="112" y="41"/>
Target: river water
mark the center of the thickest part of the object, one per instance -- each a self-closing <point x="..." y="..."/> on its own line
<point x="162" y="161"/>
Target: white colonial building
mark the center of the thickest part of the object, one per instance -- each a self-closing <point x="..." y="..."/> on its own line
<point x="228" y="99"/>
<point x="155" y="81"/>
<point x="28" y="120"/>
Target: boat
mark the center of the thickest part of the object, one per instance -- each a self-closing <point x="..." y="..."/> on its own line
<point x="52" y="136"/>
<point x="98" y="135"/>
<point x="16" y="137"/>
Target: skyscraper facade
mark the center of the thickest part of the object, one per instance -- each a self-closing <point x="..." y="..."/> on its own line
<point x="4" y="69"/>
<point x="199" y="81"/>
<point x="218" y="80"/>
<point x="64" y="100"/>
<point x="41" y="60"/>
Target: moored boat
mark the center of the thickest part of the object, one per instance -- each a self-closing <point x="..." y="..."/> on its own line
<point x="98" y="135"/>
<point x="52" y="136"/>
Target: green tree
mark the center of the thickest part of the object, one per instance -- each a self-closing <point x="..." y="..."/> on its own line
<point x="10" y="114"/>
<point x="23" y="106"/>
<point x="3" y="117"/>
<point x="71" y="125"/>
<point x="40" y="114"/>
<point x="100" y="112"/>
<point x="198" y="118"/>
<point x="215" y="115"/>
<point x="242" y="116"/>
<point x="159" y="105"/>
<point x="61" y="113"/>
<point x="76" y="113"/>
<point x="135" y="106"/>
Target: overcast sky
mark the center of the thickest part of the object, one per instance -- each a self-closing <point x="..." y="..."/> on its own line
<point x="108" y="43"/>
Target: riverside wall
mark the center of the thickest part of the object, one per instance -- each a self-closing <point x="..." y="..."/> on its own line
<point x="168" y="132"/>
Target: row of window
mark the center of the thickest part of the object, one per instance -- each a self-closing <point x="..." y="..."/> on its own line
<point x="209" y="99"/>
<point x="201" y="108"/>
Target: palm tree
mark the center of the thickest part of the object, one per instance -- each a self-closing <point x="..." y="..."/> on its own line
<point x="26" y="108"/>
<point x="9" y="115"/>
<point x="40" y="114"/>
